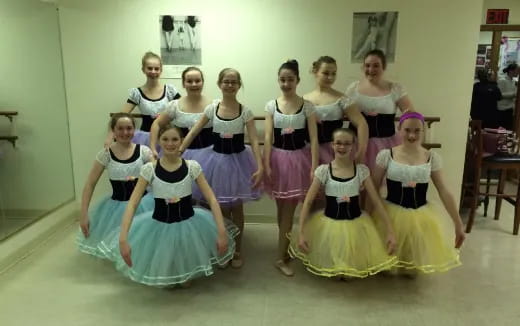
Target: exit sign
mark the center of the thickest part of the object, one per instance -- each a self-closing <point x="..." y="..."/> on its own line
<point x="497" y="16"/>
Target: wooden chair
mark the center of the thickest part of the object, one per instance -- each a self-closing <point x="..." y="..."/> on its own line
<point x="483" y="161"/>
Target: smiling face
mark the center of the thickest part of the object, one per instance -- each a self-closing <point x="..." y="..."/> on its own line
<point x="411" y="131"/>
<point x="287" y="80"/>
<point x="326" y="74"/>
<point x="373" y="68"/>
<point x="342" y="142"/>
<point x="152" y="68"/>
<point x="170" y="140"/>
<point x="123" y="130"/>
<point x="229" y="82"/>
<point x="193" y="82"/>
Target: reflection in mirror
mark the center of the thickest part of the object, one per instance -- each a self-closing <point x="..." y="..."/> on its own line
<point x="36" y="168"/>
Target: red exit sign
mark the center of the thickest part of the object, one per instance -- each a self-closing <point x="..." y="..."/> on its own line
<point x="497" y="16"/>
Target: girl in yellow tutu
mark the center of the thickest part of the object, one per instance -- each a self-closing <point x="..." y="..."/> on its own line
<point x="422" y="246"/>
<point x="342" y="241"/>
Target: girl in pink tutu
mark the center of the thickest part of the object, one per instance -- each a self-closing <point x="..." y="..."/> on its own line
<point x="233" y="170"/>
<point x="331" y="107"/>
<point x="151" y="98"/>
<point x="378" y="100"/>
<point x="289" y="164"/>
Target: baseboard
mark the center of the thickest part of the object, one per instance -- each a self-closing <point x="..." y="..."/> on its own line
<point x="32" y="213"/>
<point x="21" y="244"/>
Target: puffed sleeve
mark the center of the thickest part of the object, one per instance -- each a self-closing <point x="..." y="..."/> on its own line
<point x="363" y="172"/>
<point x="134" y="96"/>
<point x="382" y="158"/>
<point x="308" y="108"/>
<point x="171" y="109"/>
<point x="146" y="154"/>
<point x="195" y="169"/>
<point x="351" y="90"/>
<point x="103" y="157"/>
<point x="270" y="107"/>
<point x="172" y="93"/>
<point x="247" y="114"/>
<point x="398" y="91"/>
<point x="321" y="173"/>
<point x="436" y="161"/>
<point x="345" y="103"/>
<point x="209" y="111"/>
<point x="147" y="171"/>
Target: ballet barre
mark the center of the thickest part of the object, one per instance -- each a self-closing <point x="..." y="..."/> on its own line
<point x="9" y="115"/>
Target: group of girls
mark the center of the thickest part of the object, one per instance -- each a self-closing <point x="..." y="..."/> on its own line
<point x="176" y="210"/>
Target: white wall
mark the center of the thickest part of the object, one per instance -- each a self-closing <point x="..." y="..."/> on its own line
<point x="37" y="174"/>
<point x="104" y="40"/>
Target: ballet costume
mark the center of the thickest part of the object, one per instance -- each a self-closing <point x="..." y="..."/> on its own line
<point x="150" y="109"/>
<point x="330" y="118"/>
<point x="229" y="163"/>
<point x="379" y="112"/>
<point x="185" y="121"/>
<point x="290" y="160"/>
<point x="424" y="242"/>
<point x="106" y="215"/>
<point x="175" y="242"/>
<point x="343" y="240"/>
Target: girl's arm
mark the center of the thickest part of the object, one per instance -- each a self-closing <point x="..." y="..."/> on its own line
<point x="355" y="117"/>
<point x="88" y="190"/>
<point x="449" y="204"/>
<point x="128" y="216"/>
<point x="222" y="241"/>
<point x="381" y="212"/>
<point x="162" y="120"/>
<point x="313" y="135"/>
<point x="253" y="139"/>
<point x="304" y="214"/>
<point x="268" y="144"/>
<point x="127" y="108"/>
<point x="194" y="132"/>
<point x="404" y="104"/>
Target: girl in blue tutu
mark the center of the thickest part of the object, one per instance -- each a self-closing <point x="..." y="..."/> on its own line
<point x="288" y="161"/>
<point x="123" y="161"/>
<point x="233" y="170"/>
<point x="175" y="242"/>
<point x="343" y="240"/>
<point x="184" y="113"/>
<point x="151" y="98"/>
<point x="423" y="243"/>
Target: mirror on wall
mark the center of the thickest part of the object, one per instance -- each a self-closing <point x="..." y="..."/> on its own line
<point x="35" y="158"/>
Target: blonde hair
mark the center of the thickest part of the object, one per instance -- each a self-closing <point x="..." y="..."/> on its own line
<point x="226" y="71"/>
<point x="150" y="55"/>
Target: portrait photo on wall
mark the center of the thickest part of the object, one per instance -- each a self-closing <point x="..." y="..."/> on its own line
<point x="374" y="30"/>
<point x="180" y="40"/>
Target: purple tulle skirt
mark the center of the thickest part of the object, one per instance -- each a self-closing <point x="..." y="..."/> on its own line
<point x="141" y="137"/>
<point x="229" y="175"/>
<point x="376" y="144"/>
<point x="201" y="156"/>
<point x="326" y="153"/>
<point x="290" y="174"/>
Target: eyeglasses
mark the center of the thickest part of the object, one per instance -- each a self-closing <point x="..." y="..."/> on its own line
<point x="230" y="82"/>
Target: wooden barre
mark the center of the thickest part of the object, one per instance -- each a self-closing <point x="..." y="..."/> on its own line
<point x="9" y="114"/>
<point x="11" y="139"/>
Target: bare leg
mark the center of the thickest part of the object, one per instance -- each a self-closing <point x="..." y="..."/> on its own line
<point x="287" y="209"/>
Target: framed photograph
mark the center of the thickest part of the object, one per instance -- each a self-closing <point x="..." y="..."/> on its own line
<point x="481" y="49"/>
<point x="374" y="30"/>
<point x="481" y="60"/>
<point x="180" y="43"/>
<point x="488" y="53"/>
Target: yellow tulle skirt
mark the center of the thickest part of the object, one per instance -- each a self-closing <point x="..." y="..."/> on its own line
<point x="351" y="248"/>
<point x="425" y="238"/>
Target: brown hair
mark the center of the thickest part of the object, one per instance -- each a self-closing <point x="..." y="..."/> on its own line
<point x="323" y="59"/>
<point x="187" y="70"/>
<point x="168" y="127"/>
<point x="345" y="130"/>
<point x="225" y="71"/>
<point x="291" y="65"/>
<point x="116" y="116"/>
<point x="150" y="55"/>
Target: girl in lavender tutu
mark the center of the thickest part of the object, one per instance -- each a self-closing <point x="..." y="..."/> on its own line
<point x="234" y="171"/>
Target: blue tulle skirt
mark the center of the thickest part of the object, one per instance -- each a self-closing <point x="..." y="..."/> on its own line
<point x="166" y="254"/>
<point x="106" y="217"/>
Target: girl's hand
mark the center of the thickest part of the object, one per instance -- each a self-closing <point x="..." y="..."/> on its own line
<point x="302" y="243"/>
<point x="460" y="236"/>
<point x="222" y="243"/>
<point x="390" y="243"/>
<point x="257" y="178"/>
<point x="84" y="225"/>
<point x="267" y="172"/>
<point x="155" y="154"/>
<point x="126" y="252"/>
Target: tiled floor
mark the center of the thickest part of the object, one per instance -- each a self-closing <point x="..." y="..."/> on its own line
<point x="56" y="285"/>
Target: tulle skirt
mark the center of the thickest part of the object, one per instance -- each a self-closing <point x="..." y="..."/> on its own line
<point x="141" y="137"/>
<point x="290" y="174"/>
<point x="424" y="240"/>
<point x="376" y="144"/>
<point x="106" y="217"/>
<point x="166" y="254"/>
<point x="201" y="156"/>
<point x="326" y="153"/>
<point x="229" y="175"/>
<point x="351" y="248"/>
